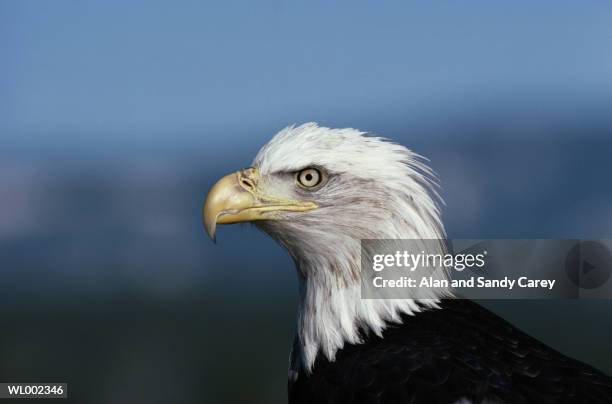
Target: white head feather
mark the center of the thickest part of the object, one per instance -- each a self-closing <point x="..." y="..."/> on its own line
<point x="374" y="189"/>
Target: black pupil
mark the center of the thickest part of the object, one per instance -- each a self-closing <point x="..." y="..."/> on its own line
<point x="308" y="177"/>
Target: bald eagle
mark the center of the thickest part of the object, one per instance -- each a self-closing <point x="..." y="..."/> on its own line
<point x="318" y="192"/>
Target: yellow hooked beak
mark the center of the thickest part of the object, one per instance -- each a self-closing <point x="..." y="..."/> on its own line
<point x="237" y="198"/>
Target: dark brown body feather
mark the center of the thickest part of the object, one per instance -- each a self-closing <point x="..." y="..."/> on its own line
<point x="460" y="352"/>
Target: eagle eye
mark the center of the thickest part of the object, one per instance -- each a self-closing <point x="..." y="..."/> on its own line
<point x="309" y="177"/>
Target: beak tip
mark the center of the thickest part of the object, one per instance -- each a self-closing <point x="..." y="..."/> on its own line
<point x="212" y="231"/>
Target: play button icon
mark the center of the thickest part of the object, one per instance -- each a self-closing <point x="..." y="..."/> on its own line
<point x="587" y="267"/>
<point x="588" y="264"/>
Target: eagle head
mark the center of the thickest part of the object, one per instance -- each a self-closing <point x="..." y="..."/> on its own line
<point x="316" y="189"/>
<point x="318" y="192"/>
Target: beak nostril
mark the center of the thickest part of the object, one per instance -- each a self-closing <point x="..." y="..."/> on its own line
<point x="246" y="178"/>
<point x="247" y="183"/>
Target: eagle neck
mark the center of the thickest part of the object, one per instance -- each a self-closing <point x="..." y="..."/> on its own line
<point x="331" y="312"/>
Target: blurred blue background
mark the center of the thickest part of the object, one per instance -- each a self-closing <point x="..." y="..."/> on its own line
<point x="116" y="118"/>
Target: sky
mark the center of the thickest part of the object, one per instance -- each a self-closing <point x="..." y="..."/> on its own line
<point x="165" y="72"/>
